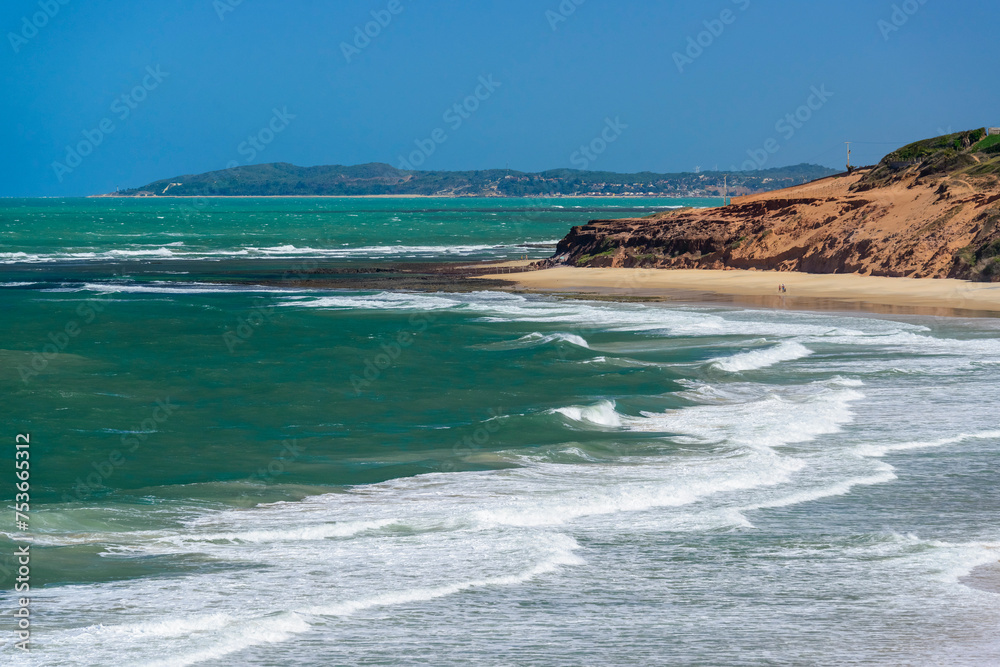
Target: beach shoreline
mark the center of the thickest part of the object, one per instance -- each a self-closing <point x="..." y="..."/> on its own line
<point x="805" y="291"/>
<point x="984" y="578"/>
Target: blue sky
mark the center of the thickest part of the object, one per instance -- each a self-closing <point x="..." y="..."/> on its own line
<point x="157" y="89"/>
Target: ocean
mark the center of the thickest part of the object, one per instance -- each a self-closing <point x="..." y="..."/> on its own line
<point x="233" y="471"/>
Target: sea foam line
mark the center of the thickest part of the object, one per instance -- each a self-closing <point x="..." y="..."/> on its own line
<point x="758" y="359"/>
<point x="290" y="251"/>
<point x="239" y="636"/>
<point x="878" y="451"/>
<point x="562" y="555"/>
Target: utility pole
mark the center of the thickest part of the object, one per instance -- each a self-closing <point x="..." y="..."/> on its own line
<point x="848" y="155"/>
<point x="725" y="195"/>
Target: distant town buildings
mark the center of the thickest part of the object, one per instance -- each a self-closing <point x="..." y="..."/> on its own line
<point x="992" y="130"/>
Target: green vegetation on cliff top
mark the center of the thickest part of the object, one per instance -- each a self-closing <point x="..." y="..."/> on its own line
<point x="968" y="153"/>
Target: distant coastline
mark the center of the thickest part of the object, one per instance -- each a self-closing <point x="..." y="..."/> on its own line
<point x="118" y="196"/>
<point x="370" y="180"/>
<point x="442" y="196"/>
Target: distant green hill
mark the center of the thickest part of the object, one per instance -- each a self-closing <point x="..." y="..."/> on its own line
<point x="283" y="179"/>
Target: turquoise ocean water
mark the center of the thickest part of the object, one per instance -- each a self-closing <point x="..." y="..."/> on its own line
<point x="231" y="474"/>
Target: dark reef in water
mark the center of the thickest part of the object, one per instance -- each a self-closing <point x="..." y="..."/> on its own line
<point x="305" y="274"/>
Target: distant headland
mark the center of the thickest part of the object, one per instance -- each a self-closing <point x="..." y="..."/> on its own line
<point x="377" y="179"/>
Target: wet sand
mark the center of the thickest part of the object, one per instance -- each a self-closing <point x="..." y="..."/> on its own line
<point x="984" y="578"/>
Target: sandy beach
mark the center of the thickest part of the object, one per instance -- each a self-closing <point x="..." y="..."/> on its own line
<point x="760" y="288"/>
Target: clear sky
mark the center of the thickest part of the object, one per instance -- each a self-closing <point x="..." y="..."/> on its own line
<point x="150" y="90"/>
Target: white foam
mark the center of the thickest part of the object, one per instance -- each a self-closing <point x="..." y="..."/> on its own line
<point x="577" y="453"/>
<point x="535" y="339"/>
<point x="411" y="540"/>
<point x="167" y="628"/>
<point x="877" y="451"/>
<point x="403" y="250"/>
<point x="601" y="414"/>
<point x="804" y="333"/>
<point x="908" y="342"/>
<point x="237" y="637"/>
<point x="840" y="488"/>
<point x="381" y="301"/>
<point x="561" y="549"/>
<point x="178" y="250"/>
<point x="600" y="490"/>
<point x="301" y="534"/>
<point x="757" y="359"/>
<point x="168" y="287"/>
<point x="595" y="360"/>
<point x="945" y="561"/>
<point x="773" y="420"/>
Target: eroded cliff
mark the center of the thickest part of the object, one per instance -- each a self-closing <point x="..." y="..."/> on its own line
<point x="927" y="210"/>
